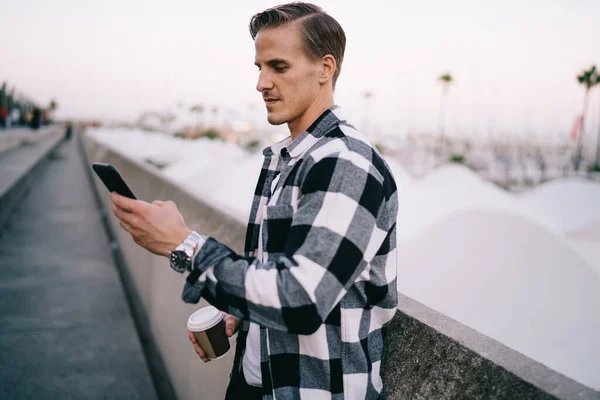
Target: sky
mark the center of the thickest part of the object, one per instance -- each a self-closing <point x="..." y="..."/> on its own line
<point x="514" y="63"/>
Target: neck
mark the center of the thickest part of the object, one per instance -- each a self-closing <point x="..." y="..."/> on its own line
<point x="318" y="107"/>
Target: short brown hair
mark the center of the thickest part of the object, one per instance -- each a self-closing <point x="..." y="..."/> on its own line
<point x="321" y="33"/>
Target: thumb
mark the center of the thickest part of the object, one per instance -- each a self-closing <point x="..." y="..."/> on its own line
<point x="158" y="202"/>
<point x="229" y="327"/>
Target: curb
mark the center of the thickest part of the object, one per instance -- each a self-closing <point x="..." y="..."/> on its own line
<point x="10" y="197"/>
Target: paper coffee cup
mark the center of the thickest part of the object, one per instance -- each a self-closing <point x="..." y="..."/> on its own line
<point x="208" y="327"/>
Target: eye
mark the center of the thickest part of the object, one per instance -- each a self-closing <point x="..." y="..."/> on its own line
<point x="280" y="69"/>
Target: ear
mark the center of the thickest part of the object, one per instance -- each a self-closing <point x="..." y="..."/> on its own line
<point x="328" y="67"/>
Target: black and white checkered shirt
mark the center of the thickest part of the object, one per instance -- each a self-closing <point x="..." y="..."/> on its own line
<point x="319" y="270"/>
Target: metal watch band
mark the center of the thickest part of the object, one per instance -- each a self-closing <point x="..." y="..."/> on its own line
<point x="193" y="238"/>
<point x="189" y="243"/>
<point x="179" y="262"/>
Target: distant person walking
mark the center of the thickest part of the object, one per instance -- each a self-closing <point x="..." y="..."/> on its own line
<point x="36" y="118"/>
<point x="3" y="106"/>
<point x="316" y="284"/>
<point x="3" y="117"/>
<point x="69" y="130"/>
<point x="15" y="115"/>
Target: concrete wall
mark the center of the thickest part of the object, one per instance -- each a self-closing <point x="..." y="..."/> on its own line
<point x="159" y="288"/>
<point x="431" y="356"/>
<point x="427" y="354"/>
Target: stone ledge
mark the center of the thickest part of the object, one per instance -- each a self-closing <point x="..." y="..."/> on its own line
<point x="19" y="164"/>
<point x="431" y="356"/>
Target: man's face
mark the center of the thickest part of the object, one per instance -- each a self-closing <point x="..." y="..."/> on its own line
<point x="288" y="80"/>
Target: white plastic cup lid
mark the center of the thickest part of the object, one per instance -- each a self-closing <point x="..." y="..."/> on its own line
<point x="203" y="319"/>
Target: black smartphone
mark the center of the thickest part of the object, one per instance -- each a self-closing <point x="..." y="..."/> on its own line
<point x="112" y="179"/>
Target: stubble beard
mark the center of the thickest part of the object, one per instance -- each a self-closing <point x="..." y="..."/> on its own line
<point x="274" y="120"/>
<point x="279" y="118"/>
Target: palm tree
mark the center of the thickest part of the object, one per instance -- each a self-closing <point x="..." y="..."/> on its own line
<point x="597" y="163"/>
<point x="166" y="120"/>
<point x="367" y="96"/>
<point x="215" y="112"/>
<point x="446" y="80"/>
<point x="588" y="79"/>
<point x="198" y="109"/>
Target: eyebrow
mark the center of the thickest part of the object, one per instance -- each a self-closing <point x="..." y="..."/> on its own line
<point x="274" y="62"/>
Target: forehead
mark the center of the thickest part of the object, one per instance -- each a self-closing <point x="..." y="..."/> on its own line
<point x="278" y="43"/>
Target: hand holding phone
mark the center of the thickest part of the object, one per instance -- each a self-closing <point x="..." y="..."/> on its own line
<point x="112" y="179"/>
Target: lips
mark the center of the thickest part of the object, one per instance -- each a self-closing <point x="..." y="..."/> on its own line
<point x="270" y="100"/>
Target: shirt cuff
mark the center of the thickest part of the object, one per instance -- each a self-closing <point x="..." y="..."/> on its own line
<point x="211" y="253"/>
<point x="198" y="248"/>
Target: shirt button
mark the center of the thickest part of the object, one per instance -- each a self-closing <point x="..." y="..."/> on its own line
<point x="283" y="152"/>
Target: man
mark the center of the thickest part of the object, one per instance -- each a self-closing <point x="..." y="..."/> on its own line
<point x="317" y="282"/>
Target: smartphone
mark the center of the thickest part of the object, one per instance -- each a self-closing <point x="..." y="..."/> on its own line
<point x="112" y="179"/>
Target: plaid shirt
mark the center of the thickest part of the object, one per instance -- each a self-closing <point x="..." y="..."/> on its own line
<point x="319" y="270"/>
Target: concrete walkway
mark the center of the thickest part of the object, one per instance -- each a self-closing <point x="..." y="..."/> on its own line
<point x="66" y="331"/>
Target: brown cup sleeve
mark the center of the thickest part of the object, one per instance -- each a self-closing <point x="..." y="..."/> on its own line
<point x="214" y="341"/>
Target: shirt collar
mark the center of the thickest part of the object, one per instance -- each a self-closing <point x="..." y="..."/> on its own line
<point x="322" y="125"/>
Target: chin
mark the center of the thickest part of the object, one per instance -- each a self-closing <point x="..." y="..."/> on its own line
<point x="275" y="119"/>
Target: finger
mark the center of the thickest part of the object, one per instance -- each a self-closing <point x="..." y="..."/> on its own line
<point x="230" y="326"/>
<point x="200" y="352"/>
<point x="121" y="213"/>
<point x="197" y="347"/>
<point x="231" y="322"/>
<point x="158" y="203"/>
<point x="126" y="226"/>
<point x="123" y="202"/>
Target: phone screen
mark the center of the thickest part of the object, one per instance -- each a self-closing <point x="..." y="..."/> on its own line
<point x="112" y="179"/>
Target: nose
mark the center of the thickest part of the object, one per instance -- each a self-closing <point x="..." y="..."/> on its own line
<point x="264" y="83"/>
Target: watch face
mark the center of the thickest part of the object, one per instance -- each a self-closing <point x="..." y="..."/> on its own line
<point x="179" y="260"/>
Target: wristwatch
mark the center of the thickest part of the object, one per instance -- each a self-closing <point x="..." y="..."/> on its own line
<point x="180" y="259"/>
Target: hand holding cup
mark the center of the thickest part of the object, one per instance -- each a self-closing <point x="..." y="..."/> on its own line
<point x="209" y="331"/>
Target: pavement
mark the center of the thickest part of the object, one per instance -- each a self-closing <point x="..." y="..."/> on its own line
<point x="66" y="331"/>
<point x="14" y="137"/>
